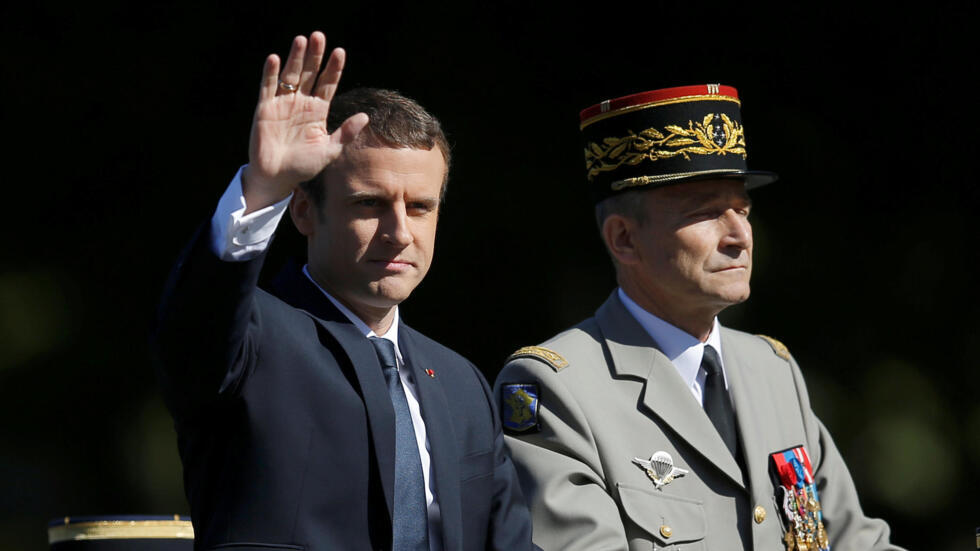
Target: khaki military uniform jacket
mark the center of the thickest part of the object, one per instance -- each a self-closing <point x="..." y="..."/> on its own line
<point x="619" y="398"/>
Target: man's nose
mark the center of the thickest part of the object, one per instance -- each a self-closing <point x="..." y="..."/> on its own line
<point x="395" y="229"/>
<point x="739" y="232"/>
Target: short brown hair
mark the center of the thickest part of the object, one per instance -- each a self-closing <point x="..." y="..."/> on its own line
<point x="395" y="121"/>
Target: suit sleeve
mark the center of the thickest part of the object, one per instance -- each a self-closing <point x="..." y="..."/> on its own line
<point x="510" y="522"/>
<point x="559" y="468"/>
<point x="200" y="336"/>
<point x="847" y="525"/>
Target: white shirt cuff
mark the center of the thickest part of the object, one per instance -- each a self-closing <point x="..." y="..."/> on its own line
<point x="236" y="236"/>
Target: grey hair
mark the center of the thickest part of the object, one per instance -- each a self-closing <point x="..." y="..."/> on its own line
<point x="628" y="203"/>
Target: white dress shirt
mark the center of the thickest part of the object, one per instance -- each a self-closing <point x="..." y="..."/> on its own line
<point x="683" y="349"/>
<point x="236" y="237"/>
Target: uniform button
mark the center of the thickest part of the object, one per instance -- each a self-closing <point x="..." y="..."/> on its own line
<point x="665" y="531"/>
<point x="759" y="513"/>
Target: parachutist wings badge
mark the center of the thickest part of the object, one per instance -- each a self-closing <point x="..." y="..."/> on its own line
<point x="660" y="468"/>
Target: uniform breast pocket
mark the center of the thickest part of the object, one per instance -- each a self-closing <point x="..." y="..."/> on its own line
<point x="672" y="522"/>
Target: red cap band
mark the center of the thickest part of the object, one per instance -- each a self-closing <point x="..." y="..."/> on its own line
<point x="655" y="96"/>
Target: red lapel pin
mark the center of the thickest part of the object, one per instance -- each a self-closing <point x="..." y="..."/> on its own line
<point x="430" y="373"/>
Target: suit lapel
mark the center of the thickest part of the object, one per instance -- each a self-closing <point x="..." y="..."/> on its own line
<point x="295" y="288"/>
<point x="443" y="451"/>
<point x="635" y="354"/>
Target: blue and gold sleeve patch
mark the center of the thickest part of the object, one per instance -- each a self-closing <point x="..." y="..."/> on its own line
<point x="519" y="408"/>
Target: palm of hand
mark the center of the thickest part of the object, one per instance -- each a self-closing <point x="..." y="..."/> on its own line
<point x="290" y="137"/>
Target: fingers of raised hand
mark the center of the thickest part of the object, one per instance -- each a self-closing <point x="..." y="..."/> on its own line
<point x="311" y="61"/>
<point x="270" y="78"/>
<point x="290" y="78"/>
<point x="301" y="71"/>
<point x="326" y="85"/>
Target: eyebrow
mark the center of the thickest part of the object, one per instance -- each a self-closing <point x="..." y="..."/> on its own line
<point x="696" y="199"/>
<point x="358" y="195"/>
<point x="427" y="201"/>
<point x="365" y="195"/>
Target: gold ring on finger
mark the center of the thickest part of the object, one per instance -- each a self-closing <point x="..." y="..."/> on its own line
<point x="286" y="87"/>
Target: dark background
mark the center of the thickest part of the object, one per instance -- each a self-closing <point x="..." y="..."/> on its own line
<point x="124" y="123"/>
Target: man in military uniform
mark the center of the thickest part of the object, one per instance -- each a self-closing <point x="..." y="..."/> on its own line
<point x="650" y="425"/>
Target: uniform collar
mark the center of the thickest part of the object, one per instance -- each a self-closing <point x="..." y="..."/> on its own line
<point x="681" y="348"/>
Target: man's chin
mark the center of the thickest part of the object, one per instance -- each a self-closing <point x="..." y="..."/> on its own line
<point x="388" y="294"/>
<point x="738" y="298"/>
<point x="733" y="295"/>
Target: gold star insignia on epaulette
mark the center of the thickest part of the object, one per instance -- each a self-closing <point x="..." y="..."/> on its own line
<point x="550" y="357"/>
<point x="777" y="347"/>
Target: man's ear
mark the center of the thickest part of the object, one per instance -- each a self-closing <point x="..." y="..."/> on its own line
<point x="303" y="212"/>
<point x="618" y="233"/>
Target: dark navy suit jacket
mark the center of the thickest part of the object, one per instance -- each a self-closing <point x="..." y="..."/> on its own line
<point x="286" y="429"/>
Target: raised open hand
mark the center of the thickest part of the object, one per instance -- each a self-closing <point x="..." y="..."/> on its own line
<point x="289" y="143"/>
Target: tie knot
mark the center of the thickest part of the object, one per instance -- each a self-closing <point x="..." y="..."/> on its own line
<point x="710" y="361"/>
<point x="386" y="352"/>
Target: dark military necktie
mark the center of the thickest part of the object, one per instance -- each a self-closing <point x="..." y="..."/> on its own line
<point x="410" y="525"/>
<point x="717" y="404"/>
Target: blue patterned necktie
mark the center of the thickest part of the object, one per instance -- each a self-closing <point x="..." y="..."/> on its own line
<point x="717" y="404"/>
<point x="410" y="522"/>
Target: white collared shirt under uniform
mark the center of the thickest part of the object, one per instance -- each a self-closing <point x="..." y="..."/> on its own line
<point x="683" y="349"/>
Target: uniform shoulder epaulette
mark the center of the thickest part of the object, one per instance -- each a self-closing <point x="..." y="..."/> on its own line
<point x="777" y="347"/>
<point x="550" y="357"/>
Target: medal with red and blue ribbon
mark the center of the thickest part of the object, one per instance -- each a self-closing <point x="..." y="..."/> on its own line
<point x="793" y="473"/>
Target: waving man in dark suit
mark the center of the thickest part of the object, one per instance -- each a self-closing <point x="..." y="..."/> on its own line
<point x="312" y="417"/>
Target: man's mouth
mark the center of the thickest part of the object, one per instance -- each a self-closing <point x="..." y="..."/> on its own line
<point x="393" y="264"/>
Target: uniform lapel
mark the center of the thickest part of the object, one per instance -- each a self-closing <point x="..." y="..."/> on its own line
<point x="635" y="354"/>
<point x="296" y="289"/>
<point x="750" y="414"/>
<point x="443" y="452"/>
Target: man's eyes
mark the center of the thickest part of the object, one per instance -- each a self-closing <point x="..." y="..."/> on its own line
<point x="710" y="214"/>
<point x="707" y="214"/>
<point x="415" y="207"/>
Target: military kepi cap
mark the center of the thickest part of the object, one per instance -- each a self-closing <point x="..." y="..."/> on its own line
<point x="661" y="137"/>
